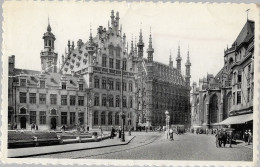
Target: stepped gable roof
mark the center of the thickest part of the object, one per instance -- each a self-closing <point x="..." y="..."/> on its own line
<point x="246" y="33"/>
<point x="51" y="79"/>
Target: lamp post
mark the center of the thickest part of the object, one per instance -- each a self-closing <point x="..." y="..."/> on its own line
<point x="122" y="111"/>
<point x="167" y="122"/>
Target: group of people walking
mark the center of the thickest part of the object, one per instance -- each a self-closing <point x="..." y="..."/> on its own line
<point x="223" y="137"/>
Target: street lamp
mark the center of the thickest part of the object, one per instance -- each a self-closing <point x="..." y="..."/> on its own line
<point x="122" y="112"/>
<point x="167" y="122"/>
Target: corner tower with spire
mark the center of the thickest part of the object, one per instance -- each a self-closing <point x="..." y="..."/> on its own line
<point x="178" y="59"/>
<point x="188" y="64"/>
<point x="48" y="56"/>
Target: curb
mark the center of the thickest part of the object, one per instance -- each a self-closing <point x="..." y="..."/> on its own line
<point x="56" y="152"/>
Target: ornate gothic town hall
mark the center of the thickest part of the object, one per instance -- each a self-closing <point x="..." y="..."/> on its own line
<point x="86" y="88"/>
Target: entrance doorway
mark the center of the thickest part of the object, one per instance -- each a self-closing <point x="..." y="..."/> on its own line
<point x="53" y="123"/>
<point x="23" y="122"/>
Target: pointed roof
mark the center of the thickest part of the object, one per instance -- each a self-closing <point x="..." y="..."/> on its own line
<point x="150" y="45"/>
<point x="188" y="59"/>
<point x="246" y="33"/>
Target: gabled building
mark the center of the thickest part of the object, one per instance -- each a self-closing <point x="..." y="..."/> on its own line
<point x="227" y="98"/>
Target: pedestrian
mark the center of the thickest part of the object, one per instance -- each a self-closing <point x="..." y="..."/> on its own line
<point x="217" y="139"/>
<point x="129" y="131"/>
<point x="87" y="128"/>
<point x="36" y="127"/>
<point x="32" y="126"/>
<point x="230" y="136"/>
<point x="249" y="136"/>
<point x="246" y="136"/>
<point x="112" y="133"/>
<point x="224" y="138"/>
<point x="146" y="129"/>
<point x="171" y="134"/>
<point x="220" y="135"/>
<point x="101" y="131"/>
<point x="119" y="132"/>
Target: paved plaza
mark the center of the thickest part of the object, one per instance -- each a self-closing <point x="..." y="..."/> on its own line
<point x="154" y="145"/>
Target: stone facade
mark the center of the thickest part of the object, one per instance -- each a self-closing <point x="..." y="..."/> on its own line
<point x="230" y="92"/>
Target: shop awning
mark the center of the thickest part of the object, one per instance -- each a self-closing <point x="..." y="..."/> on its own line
<point x="239" y="119"/>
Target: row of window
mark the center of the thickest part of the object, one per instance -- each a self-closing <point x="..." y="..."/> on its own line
<point x="53" y="99"/>
<point x="103" y="118"/>
<point x="110" y="85"/>
<point x="109" y="101"/>
<point x="64" y="116"/>
<point x="111" y="63"/>
<point x="43" y="84"/>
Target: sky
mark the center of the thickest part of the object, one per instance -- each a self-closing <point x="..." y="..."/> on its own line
<point x="206" y="29"/>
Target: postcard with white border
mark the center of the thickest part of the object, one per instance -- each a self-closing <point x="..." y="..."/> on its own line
<point x="130" y="83"/>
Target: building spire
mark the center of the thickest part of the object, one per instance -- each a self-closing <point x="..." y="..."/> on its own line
<point x="247" y="11"/>
<point x="49" y="27"/>
<point x="90" y="36"/>
<point x="170" y="61"/>
<point x="132" y="45"/>
<point x="178" y="59"/>
<point x="150" y="49"/>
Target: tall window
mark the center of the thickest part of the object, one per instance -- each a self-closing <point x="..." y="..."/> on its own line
<point x="53" y="98"/>
<point x="248" y="94"/>
<point x="111" y="63"/>
<point x="124" y="65"/>
<point x="239" y="77"/>
<point x="118" y="49"/>
<point x="104" y="83"/>
<point x="111" y="50"/>
<point x="118" y="64"/>
<point x="63" y="118"/>
<point x="23" y="82"/>
<point x="110" y="118"/>
<point x="117" y="118"/>
<point x="238" y="97"/>
<point x="42" y="117"/>
<point x="117" y="101"/>
<point x="72" y="118"/>
<point x="80" y="86"/>
<point x="32" y="117"/>
<point x="42" y="84"/>
<point x="96" y="84"/>
<point x="103" y="118"/>
<point x="111" y="84"/>
<point x="22" y="97"/>
<point x="117" y="85"/>
<point x="131" y="87"/>
<point x="81" y="100"/>
<point x="42" y="99"/>
<point x="63" y="85"/>
<point x="32" y="98"/>
<point x="124" y="86"/>
<point x="104" y="100"/>
<point x="96" y="118"/>
<point x="234" y="98"/>
<point x="63" y="99"/>
<point x="104" y="61"/>
<point x="124" y="101"/>
<point x="111" y="100"/>
<point x="96" y="100"/>
<point x="72" y="100"/>
<point x="131" y="102"/>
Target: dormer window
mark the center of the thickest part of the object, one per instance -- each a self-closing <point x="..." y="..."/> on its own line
<point x="63" y="85"/>
<point x="23" y="82"/>
<point x="42" y="84"/>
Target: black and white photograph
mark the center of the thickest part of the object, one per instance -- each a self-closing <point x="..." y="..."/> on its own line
<point x="142" y="82"/>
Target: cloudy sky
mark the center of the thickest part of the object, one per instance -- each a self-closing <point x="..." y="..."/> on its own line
<point x="206" y="28"/>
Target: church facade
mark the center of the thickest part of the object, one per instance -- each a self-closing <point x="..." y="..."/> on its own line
<point x="102" y="78"/>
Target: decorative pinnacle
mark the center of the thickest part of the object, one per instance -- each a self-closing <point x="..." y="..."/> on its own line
<point x="132" y="45"/>
<point x="150" y="46"/>
<point x="90" y="36"/>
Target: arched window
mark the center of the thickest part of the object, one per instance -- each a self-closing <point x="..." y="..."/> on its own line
<point x="118" y="50"/>
<point x="96" y="118"/>
<point x="104" y="100"/>
<point x="213" y="109"/>
<point x="53" y="112"/>
<point x="111" y="50"/>
<point x="103" y="118"/>
<point x="111" y="100"/>
<point x="117" y="118"/>
<point x="96" y="82"/>
<point x="104" y="61"/>
<point x="117" y="101"/>
<point x="124" y="101"/>
<point x="110" y="118"/>
<point x="131" y="102"/>
<point x="96" y="100"/>
<point x="49" y="42"/>
<point x="23" y="111"/>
